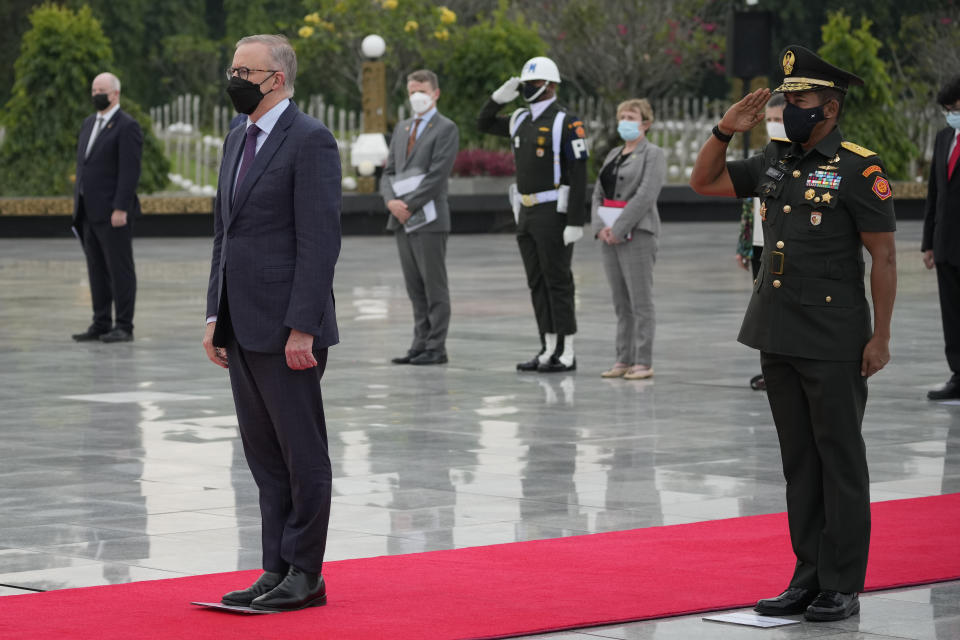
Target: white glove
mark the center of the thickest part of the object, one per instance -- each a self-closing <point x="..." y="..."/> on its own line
<point x="572" y="234"/>
<point x="507" y="92"/>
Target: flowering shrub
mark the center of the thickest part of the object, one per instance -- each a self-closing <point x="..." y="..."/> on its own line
<point x="480" y="162"/>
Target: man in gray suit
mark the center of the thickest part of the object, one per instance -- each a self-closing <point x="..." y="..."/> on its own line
<point x="270" y="313"/>
<point x="414" y="187"/>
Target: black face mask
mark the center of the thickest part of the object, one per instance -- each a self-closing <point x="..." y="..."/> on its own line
<point x="245" y="95"/>
<point x="531" y="92"/>
<point x="100" y="101"/>
<point x="799" y="123"/>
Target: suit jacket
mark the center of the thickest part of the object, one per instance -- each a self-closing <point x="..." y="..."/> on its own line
<point x="640" y="179"/>
<point x="108" y="177"/>
<point x="433" y="154"/>
<point x="941" y="222"/>
<point x="276" y="241"/>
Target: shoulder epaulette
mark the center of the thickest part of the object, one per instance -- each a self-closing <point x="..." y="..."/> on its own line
<point x="780" y="139"/>
<point x="857" y="149"/>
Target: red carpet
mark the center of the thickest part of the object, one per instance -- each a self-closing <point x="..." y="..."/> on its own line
<point x="504" y="590"/>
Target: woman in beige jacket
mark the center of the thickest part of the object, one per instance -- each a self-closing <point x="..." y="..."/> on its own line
<point x="624" y="217"/>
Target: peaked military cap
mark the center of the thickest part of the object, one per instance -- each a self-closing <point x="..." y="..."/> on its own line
<point x="803" y="70"/>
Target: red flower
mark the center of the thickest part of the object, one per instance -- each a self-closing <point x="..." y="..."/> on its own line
<point x="622" y="30"/>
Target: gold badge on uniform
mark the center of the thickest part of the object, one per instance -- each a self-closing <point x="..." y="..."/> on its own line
<point x="540" y="152"/>
<point x="763" y="211"/>
<point x="826" y="197"/>
<point x="808" y="194"/>
<point x="815" y="218"/>
<point x="788" y="61"/>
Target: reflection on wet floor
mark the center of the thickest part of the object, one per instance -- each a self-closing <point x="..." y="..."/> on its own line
<point x="121" y="462"/>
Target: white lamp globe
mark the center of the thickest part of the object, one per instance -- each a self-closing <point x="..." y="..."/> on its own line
<point x="349" y="183"/>
<point x="366" y="168"/>
<point x="373" y="46"/>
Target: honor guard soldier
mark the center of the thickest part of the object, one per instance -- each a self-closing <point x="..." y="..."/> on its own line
<point x="822" y="200"/>
<point x="549" y="201"/>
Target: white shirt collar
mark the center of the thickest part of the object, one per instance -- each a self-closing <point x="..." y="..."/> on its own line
<point x="268" y="120"/>
<point x="109" y="114"/>
<point x="537" y="108"/>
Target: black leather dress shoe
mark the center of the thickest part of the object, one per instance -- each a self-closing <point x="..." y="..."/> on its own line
<point x="407" y="358"/>
<point x="89" y="335"/>
<point x="553" y="365"/>
<point x="791" y="602"/>
<point x="949" y="391"/>
<point x="298" y="590"/>
<point x="832" y="605"/>
<point x="430" y="357"/>
<point x="117" y="335"/>
<point x="267" y="581"/>
<point x="530" y="365"/>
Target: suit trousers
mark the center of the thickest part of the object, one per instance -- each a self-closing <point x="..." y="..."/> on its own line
<point x="546" y="261"/>
<point x="284" y="435"/>
<point x="948" y="281"/>
<point x="629" y="269"/>
<point x="113" y="279"/>
<point x="423" y="258"/>
<point x="818" y="409"/>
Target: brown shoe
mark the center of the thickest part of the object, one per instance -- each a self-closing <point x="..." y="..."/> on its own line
<point x="616" y="371"/>
<point x="638" y="372"/>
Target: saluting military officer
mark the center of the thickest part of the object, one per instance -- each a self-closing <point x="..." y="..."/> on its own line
<point x="550" y="150"/>
<point x="823" y="200"/>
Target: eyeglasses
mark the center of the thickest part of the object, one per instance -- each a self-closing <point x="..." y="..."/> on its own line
<point x="243" y="72"/>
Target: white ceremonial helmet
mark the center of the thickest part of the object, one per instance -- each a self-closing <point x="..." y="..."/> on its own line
<point x="540" y="68"/>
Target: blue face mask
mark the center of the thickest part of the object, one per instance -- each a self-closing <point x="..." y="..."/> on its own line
<point x="953" y="119"/>
<point x="629" y="130"/>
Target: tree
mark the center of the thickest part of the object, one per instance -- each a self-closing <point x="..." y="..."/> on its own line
<point x="623" y="48"/>
<point x="483" y="56"/>
<point x="60" y="55"/>
<point x="871" y="116"/>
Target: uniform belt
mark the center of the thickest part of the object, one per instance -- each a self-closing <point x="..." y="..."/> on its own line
<point x="531" y="199"/>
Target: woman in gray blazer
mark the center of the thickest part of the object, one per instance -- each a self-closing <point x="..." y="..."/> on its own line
<point x="624" y="216"/>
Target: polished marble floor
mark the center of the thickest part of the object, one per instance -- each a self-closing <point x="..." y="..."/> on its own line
<point x="121" y="462"/>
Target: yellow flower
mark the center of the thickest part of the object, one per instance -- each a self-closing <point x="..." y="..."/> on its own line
<point x="441" y="34"/>
<point x="390" y="4"/>
<point x="411" y="26"/>
<point x="447" y="16"/>
<point x="305" y="32"/>
<point x="313" y="17"/>
<point x="323" y="24"/>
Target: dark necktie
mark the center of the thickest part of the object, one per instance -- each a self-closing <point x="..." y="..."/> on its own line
<point x="952" y="164"/>
<point x="93" y="135"/>
<point x="413" y="135"/>
<point x="249" y="151"/>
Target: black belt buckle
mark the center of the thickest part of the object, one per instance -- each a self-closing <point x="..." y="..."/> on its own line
<point x="774" y="256"/>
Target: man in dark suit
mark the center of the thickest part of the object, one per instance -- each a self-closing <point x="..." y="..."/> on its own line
<point x="422" y="150"/>
<point x="270" y="312"/>
<point x="105" y="204"/>
<point x="822" y="200"/>
<point x="941" y="232"/>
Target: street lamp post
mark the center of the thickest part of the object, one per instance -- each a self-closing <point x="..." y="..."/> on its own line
<point x="370" y="150"/>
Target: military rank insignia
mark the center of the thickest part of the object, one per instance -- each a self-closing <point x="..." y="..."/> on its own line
<point x="816" y="218"/>
<point x="881" y="188"/>
<point x="824" y="179"/>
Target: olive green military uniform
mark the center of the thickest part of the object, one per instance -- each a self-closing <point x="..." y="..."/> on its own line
<point x="810" y="319"/>
<point x="546" y="259"/>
